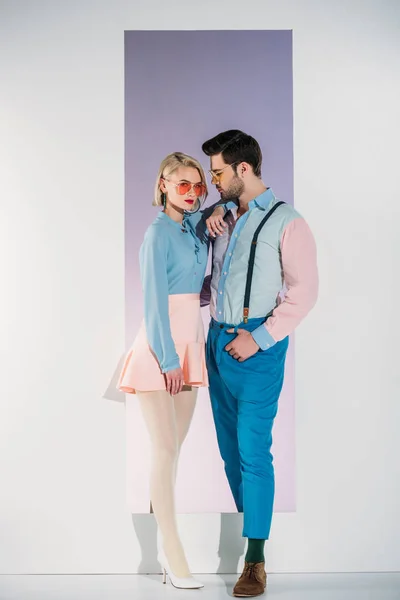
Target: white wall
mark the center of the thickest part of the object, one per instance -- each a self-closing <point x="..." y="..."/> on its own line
<point x="62" y="503"/>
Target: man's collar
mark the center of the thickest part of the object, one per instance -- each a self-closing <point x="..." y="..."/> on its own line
<point x="263" y="200"/>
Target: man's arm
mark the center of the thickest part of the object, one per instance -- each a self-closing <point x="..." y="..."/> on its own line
<point x="300" y="271"/>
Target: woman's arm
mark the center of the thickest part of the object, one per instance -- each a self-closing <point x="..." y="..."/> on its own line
<point x="205" y="293"/>
<point x="154" y="275"/>
<point x="215" y="219"/>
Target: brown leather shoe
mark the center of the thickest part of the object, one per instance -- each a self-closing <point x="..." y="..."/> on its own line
<point x="252" y="581"/>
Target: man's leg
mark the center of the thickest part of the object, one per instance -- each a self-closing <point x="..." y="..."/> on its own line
<point x="257" y="408"/>
<point x="256" y="416"/>
<point x="224" y="408"/>
<point x="257" y="384"/>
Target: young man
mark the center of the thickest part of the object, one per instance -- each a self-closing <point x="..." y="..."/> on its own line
<point x="259" y="245"/>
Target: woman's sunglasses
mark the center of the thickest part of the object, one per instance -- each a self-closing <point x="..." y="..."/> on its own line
<point x="184" y="187"/>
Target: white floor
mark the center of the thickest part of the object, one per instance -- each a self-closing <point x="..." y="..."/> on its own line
<point x="371" y="586"/>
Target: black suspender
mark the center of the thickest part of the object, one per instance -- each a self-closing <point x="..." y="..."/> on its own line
<point x="251" y="261"/>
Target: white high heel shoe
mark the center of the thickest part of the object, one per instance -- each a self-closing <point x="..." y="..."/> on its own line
<point x="187" y="583"/>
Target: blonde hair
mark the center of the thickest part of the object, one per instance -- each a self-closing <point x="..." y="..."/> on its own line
<point x="171" y="163"/>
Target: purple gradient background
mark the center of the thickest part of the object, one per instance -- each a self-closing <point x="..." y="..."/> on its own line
<point x="183" y="87"/>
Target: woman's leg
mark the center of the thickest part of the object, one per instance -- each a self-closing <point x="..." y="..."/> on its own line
<point x="185" y="403"/>
<point x="167" y="419"/>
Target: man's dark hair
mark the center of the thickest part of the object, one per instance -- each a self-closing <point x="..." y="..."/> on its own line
<point x="235" y="147"/>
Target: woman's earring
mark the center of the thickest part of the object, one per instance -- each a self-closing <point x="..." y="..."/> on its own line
<point x="198" y="205"/>
<point x="164" y="199"/>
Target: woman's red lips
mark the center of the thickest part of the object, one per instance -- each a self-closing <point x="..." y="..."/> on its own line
<point x="189" y="200"/>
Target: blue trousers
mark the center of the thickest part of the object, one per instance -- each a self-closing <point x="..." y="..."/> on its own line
<point x="244" y="399"/>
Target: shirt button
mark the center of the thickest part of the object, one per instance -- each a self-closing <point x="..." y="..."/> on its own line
<point x="230" y="253"/>
<point x="220" y="292"/>
<point x="225" y="273"/>
<point x="219" y="312"/>
<point x="235" y="234"/>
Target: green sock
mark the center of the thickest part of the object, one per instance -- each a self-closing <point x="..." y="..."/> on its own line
<point x="255" y="551"/>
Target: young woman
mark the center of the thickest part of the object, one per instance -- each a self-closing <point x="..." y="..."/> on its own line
<point x="166" y="364"/>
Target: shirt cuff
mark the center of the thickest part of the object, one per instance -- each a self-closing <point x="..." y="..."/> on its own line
<point x="229" y="205"/>
<point x="263" y="338"/>
<point x="226" y="205"/>
<point x="170" y="366"/>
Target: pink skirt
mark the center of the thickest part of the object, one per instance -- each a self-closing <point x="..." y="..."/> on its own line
<point x="141" y="371"/>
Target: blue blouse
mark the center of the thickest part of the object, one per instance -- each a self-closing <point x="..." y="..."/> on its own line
<point x="173" y="260"/>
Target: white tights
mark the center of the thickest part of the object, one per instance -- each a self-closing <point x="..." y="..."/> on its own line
<point x="167" y="419"/>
